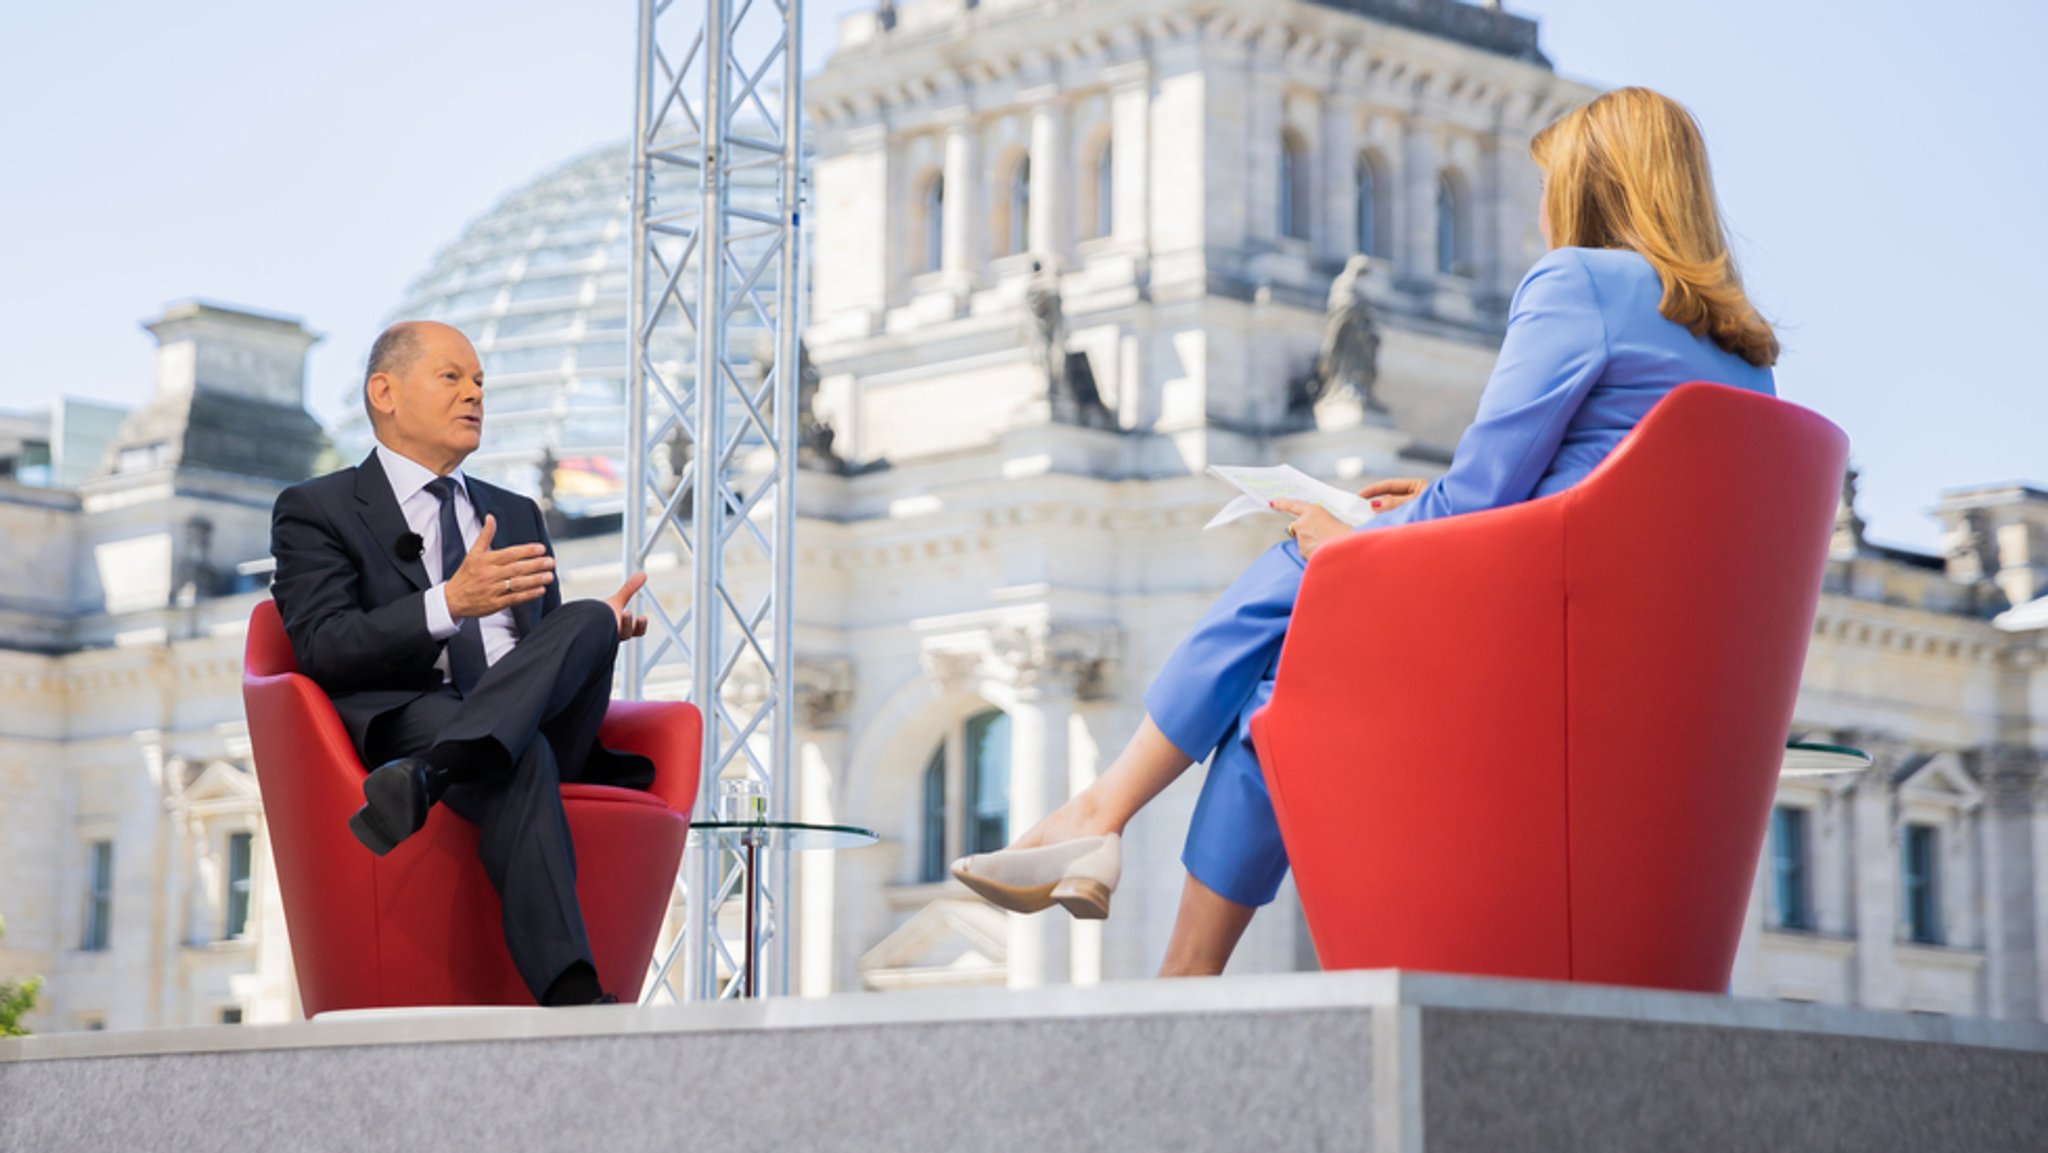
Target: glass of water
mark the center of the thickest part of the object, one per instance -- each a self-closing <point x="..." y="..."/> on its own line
<point x="742" y="799"/>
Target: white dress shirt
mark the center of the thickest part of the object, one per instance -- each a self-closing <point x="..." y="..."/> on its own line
<point x="422" y="509"/>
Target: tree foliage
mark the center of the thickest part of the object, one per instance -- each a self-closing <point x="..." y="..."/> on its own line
<point x="17" y="1000"/>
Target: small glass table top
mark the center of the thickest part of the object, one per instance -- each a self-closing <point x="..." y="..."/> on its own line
<point x="798" y="836"/>
<point x="1813" y="759"/>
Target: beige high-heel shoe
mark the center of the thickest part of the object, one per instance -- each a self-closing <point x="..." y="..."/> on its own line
<point x="1077" y="875"/>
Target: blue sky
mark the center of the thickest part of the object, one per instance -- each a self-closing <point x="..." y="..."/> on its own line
<point x="1880" y="163"/>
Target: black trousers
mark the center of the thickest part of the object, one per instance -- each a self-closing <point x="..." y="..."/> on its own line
<point x="528" y="726"/>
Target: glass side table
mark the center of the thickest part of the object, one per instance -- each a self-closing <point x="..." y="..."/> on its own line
<point x="1813" y="759"/>
<point x="747" y="839"/>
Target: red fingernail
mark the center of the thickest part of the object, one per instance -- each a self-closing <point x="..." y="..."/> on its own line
<point x="1375" y="504"/>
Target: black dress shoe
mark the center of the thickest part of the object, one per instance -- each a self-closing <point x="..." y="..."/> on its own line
<point x="396" y="800"/>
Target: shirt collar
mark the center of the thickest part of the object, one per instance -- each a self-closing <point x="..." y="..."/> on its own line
<point x="408" y="476"/>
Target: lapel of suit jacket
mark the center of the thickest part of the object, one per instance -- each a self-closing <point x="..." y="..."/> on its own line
<point x="486" y="503"/>
<point x="384" y="520"/>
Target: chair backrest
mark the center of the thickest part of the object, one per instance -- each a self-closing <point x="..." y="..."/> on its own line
<point x="1693" y="563"/>
<point x="1542" y="741"/>
<point x="268" y="652"/>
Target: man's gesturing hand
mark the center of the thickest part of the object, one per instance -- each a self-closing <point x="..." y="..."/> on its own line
<point x="630" y="626"/>
<point x="492" y="579"/>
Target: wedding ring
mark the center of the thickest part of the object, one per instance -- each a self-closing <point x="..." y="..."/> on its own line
<point x="1290" y="530"/>
<point x="508" y="586"/>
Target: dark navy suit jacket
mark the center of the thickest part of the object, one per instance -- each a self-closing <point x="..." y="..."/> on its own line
<point x="354" y="607"/>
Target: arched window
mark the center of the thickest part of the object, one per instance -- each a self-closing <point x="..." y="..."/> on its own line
<point x="933" y="210"/>
<point x="965" y="802"/>
<point x="1017" y="225"/>
<point x="1293" y="186"/>
<point x="1453" y="226"/>
<point x="1367" y="235"/>
<point x="1105" y="188"/>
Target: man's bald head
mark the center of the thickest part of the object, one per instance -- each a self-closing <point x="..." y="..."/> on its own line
<point x="424" y="392"/>
<point x="395" y="350"/>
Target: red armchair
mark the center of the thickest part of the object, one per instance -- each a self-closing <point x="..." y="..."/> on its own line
<point x="420" y="926"/>
<point x="1543" y="741"/>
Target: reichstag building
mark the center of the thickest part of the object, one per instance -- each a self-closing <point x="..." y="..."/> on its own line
<point x="1058" y="266"/>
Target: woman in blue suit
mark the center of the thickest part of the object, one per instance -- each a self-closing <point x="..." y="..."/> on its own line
<point x="1637" y="295"/>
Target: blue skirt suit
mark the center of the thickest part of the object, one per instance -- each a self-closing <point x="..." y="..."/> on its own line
<point x="1585" y="356"/>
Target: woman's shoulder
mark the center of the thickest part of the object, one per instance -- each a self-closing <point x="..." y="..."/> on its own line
<point x="1600" y="265"/>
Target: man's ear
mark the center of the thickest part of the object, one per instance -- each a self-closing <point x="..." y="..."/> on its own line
<point x="378" y="390"/>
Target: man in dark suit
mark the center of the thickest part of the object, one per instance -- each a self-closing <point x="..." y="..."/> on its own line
<point x="424" y="603"/>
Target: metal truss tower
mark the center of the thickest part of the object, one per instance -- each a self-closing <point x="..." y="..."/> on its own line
<point x="712" y="428"/>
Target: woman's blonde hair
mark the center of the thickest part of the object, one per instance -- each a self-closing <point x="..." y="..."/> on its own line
<point x="1629" y="170"/>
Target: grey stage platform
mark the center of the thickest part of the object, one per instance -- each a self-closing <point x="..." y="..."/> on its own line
<point x="1346" y="1061"/>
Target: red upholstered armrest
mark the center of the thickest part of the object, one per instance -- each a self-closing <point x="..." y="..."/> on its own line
<point x="671" y="734"/>
<point x="1433" y="622"/>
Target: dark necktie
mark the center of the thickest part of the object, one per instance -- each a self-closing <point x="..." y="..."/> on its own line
<point x="466" y="660"/>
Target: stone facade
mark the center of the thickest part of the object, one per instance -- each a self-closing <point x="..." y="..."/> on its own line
<point x="986" y="542"/>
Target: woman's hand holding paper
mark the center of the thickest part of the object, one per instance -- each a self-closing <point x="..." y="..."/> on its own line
<point x="1312" y="526"/>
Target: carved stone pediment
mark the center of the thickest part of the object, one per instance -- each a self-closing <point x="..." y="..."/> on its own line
<point x="953" y="668"/>
<point x="1941" y="780"/>
<point x="1076" y="659"/>
<point x="822" y="687"/>
<point x="953" y="941"/>
<point x="824" y="691"/>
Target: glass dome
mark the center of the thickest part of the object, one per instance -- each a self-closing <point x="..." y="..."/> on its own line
<point x="539" y="284"/>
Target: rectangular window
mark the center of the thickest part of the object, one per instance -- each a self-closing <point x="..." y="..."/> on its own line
<point x="1789" y="868"/>
<point x="99" y="896"/>
<point x="231" y="1016"/>
<point x="238" y="886"/>
<point x="988" y="776"/>
<point x="932" y="861"/>
<point x="1923" y="908"/>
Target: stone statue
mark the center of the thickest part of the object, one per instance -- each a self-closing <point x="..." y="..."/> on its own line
<point x="1973" y="544"/>
<point x="1070" y="386"/>
<point x="682" y="454"/>
<point x="814" y="437"/>
<point x="547" y="464"/>
<point x="196" y="577"/>
<point x="1047" y="326"/>
<point x="1349" y="357"/>
<point x="1849" y="527"/>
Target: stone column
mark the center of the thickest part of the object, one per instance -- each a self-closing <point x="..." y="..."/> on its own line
<point x="962" y="196"/>
<point x="1046" y="230"/>
<point x="1340" y="180"/>
<point x="1052" y="668"/>
<point x="1038" y="944"/>
<point x="1831" y="850"/>
<point x="823" y="690"/>
<point x="1489" y="225"/>
<point x="1265" y="116"/>
<point x="1131" y="154"/>
<point x="2012" y="947"/>
<point x="1415" y="247"/>
<point x="1518" y="200"/>
<point x="1875" y="856"/>
<point x="853" y="253"/>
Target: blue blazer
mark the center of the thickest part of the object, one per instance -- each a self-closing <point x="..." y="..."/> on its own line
<point x="1586" y="355"/>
